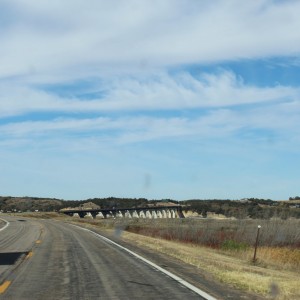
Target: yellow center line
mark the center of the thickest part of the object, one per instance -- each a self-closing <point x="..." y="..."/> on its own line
<point x="4" y="286"/>
<point x="29" y="254"/>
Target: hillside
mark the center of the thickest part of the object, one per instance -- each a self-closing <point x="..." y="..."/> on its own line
<point x="24" y="204"/>
<point x="17" y="204"/>
<point x="244" y="208"/>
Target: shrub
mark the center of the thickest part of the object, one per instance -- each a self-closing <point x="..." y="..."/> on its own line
<point x="233" y="245"/>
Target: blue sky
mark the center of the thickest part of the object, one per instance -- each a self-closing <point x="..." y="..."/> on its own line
<point x="156" y="99"/>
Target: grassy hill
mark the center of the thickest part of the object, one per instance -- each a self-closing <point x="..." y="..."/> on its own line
<point x="24" y="204"/>
<point x="240" y="209"/>
<point x="16" y="204"/>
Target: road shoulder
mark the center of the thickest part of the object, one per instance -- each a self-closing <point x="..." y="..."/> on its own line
<point x="190" y="273"/>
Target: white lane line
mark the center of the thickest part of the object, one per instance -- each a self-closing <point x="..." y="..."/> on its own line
<point x="5" y="226"/>
<point x="173" y="276"/>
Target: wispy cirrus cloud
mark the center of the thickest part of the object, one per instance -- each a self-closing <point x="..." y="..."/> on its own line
<point x="276" y="121"/>
<point x="160" y="92"/>
<point x="65" y="40"/>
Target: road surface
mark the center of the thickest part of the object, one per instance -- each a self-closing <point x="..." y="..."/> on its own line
<point x="48" y="259"/>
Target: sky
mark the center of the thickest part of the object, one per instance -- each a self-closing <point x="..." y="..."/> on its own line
<point x="193" y="99"/>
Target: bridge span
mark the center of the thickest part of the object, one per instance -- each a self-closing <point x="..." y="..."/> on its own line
<point x="153" y="212"/>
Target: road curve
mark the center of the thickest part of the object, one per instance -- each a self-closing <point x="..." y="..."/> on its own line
<point x="60" y="261"/>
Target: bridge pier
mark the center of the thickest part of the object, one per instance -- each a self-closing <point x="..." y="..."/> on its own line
<point x="142" y="214"/>
<point x="94" y="215"/>
<point x="135" y="214"/>
<point x="168" y="212"/>
<point x="173" y="215"/>
<point x="128" y="215"/>
<point x="82" y="214"/>
<point x="119" y="214"/>
<point x="154" y="215"/>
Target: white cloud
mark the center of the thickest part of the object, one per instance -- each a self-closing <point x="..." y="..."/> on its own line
<point x="74" y="38"/>
<point x="160" y="92"/>
<point x="279" y="123"/>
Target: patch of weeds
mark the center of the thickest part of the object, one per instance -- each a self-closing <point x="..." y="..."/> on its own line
<point x="233" y="245"/>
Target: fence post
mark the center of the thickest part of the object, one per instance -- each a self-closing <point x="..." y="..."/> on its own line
<point x="256" y="243"/>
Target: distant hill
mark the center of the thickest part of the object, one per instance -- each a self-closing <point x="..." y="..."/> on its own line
<point x="15" y="204"/>
<point x="24" y="204"/>
<point x="244" y="208"/>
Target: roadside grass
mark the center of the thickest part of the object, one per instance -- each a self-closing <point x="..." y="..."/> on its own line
<point x="41" y="215"/>
<point x="226" y="266"/>
<point x="224" y="248"/>
<point x="279" y="258"/>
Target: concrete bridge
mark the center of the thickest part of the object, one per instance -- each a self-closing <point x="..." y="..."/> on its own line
<point x="153" y="212"/>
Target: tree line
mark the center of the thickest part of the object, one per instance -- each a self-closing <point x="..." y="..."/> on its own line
<point x="252" y="208"/>
<point x="247" y="208"/>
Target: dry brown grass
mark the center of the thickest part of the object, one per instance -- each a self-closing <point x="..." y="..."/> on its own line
<point x="279" y="258"/>
<point x="41" y="215"/>
<point x="227" y="267"/>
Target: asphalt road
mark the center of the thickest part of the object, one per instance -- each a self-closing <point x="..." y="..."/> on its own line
<point x="47" y="259"/>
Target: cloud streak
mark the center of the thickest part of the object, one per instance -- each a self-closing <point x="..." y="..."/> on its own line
<point x="214" y="124"/>
<point x="70" y="39"/>
<point x="161" y="92"/>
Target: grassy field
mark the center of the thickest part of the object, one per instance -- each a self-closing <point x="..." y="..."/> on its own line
<point x="224" y="248"/>
<point x="216" y="233"/>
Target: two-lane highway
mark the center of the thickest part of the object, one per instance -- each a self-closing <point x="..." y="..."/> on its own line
<point x="66" y="262"/>
<point x="17" y="238"/>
